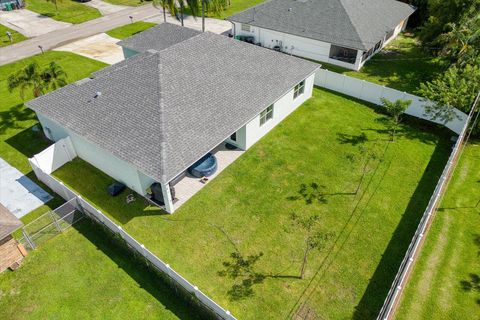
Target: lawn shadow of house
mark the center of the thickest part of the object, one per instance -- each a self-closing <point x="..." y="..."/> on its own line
<point x="29" y="141"/>
<point x="381" y="280"/>
<point x="156" y="284"/>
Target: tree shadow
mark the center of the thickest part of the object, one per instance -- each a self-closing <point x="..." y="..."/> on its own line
<point x="242" y="270"/>
<point x="345" y="138"/>
<point x="138" y="271"/>
<point x="314" y="193"/>
<point x="11" y="118"/>
<point x="29" y="141"/>
<point x="380" y="283"/>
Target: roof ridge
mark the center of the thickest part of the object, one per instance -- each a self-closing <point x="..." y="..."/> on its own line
<point x="161" y="111"/>
<point x="342" y="5"/>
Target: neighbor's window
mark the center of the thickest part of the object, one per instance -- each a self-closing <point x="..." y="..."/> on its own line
<point x="299" y="89"/>
<point x="245" y="27"/>
<point x="266" y="115"/>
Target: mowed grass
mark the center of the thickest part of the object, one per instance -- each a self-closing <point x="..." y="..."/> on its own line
<point x="18" y="141"/>
<point x="83" y="275"/>
<point x="68" y="10"/>
<point x="445" y="283"/>
<point x="402" y="65"/>
<point x="130" y="29"/>
<point x="247" y="210"/>
<point x="5" y="41"/>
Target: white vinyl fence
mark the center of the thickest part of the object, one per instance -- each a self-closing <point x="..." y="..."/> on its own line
<point x="401" y="278"/>
<point x="96" y="215"/>
<point x="373" y="93"/>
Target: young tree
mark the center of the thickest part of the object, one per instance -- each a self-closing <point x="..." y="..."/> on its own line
<point x="55" y="3"/>
<point x="177" y="8"/>
<point x="32" y="77"/>
<point x="395" y="110"/>
<point x="213" y="6"/>
<point x="314" y="239"/>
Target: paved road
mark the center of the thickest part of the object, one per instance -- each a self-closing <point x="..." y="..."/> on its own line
<point x="56" y="38"/>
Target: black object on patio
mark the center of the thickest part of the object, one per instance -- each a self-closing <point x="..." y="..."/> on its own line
<point x="115" y="188"/>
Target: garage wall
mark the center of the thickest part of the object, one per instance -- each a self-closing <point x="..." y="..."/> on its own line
<point x="101" y="159"/>
<point x="281" y="109"/>
<point x="127" y="53"/>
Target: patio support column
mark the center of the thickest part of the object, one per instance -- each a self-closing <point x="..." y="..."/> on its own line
<point x="167" y="198"/>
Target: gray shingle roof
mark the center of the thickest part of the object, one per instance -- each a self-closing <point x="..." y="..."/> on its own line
<point x="158" y="38"/>
<point x="162" y="111"/>
<point x="8" y="222"/>
<point x="357" y="24"/>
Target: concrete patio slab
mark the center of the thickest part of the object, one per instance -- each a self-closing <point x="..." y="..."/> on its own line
<point x="100" y="47"/>
<point x="29" y="23"/>
<point x="213" y="25"/>
<point x="18" y="193"/>
<point x="104" y="7"/>
<point x="188" y="186"/>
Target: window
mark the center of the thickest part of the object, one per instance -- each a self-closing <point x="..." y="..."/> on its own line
<point x="245" y="27"/>
<point x="299" y="89"/>
<point x="266" y="115"/>
<point x="233" y="137"/>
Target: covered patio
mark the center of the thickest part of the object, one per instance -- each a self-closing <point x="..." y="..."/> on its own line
<point x="188" y="186"/>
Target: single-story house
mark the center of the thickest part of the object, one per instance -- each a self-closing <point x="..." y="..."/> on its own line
<point x="147" y="119"/>
<point x="341" y="32"/>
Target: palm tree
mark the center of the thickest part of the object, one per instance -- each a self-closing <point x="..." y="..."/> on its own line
<point x="161" y="4"/>
<point x="214" y="6"/>
<point x="29" y="77"/>
<point x="54" y="76"/>
<point x="177" y="7"/>
<point x="33" y="78"/>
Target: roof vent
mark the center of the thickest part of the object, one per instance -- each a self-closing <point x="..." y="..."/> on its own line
<point x="290" y="9"/>
<point x="98" y="94"/>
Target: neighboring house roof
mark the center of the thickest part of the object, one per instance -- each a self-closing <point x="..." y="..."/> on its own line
<point x="8" y="222"/>
<point x="158" y="38"/>
<point x="357" y="24"/>
<point x="162" y="111"/>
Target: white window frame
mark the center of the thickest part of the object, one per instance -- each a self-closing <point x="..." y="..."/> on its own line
<point x="299" y="89"/>
<point x="266" y="115"/>
<point x="245" y="27"/>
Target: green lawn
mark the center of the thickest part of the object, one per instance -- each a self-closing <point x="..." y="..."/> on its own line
<point x="82" y="274"/>
<point x="445" y="283"/>
<point x="248" y="207"/>
<point x="131" y="3"/>
<point x="5" y="41"/>
<point x="130" y="29"/>
<point x="402" y="65"/>
<point x="68" y="10"/>
<point x="17" y="139"/>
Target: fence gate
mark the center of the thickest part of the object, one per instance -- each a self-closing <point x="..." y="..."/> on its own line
<point x="50" y="224"/>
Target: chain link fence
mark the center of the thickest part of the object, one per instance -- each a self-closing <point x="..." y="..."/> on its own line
<point x="50" y="224"/>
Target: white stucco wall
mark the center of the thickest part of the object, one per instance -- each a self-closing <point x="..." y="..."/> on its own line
<point x="281" y="109"/>
<point x="100" y="158"/>
<point x="305" y="47"/>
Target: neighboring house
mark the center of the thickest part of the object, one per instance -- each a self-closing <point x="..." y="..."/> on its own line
<point x="150" y="117"/>
<point x="157" y="38"/>
<point x="11" y="252"/>
<point x="341" y="32"/>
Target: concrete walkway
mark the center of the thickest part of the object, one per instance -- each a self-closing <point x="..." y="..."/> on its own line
<point x="29" y="23"/>
<point x="101" y="47"/>
<point x="61" y="37"/>
<point x="18" y="193"/>
<point x="104" y="7"/>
